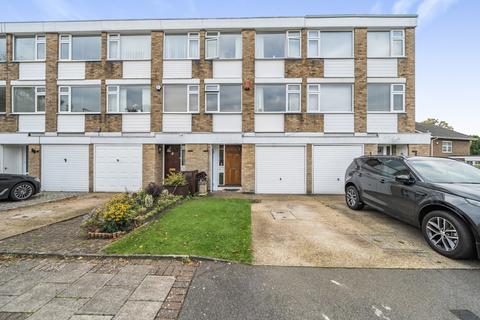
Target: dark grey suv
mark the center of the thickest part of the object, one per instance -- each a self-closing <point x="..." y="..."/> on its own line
<point x="440" y="196"/>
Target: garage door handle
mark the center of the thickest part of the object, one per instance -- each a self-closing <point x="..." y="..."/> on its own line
<point x="65" y="159"/>
<point x="382" y="181"/>
<point x="118" y="160"/>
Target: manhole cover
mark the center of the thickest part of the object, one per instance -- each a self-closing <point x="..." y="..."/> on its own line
<point x="282" y="215"/>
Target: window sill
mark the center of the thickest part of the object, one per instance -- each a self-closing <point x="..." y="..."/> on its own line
<point x="126" y="60"/>
<point x="29" y="113"/>
<point x="27" y="61"/>
<point x="179" y="112"/>
<point x="389" y="57"/>
<point x="180" y="59"/>
<point x="77" y="113"/>
<point x="387" y="112"/>
<point x="128" y="113"/>
<point x="330" y="112"/>
<point x="223" y="59"/>
<point x="278" y="112"/>
<point x="332" y="58"/>
<point x="73" y="61"/>
<point x="272" y="59"/>
<point x="220" y="112"/>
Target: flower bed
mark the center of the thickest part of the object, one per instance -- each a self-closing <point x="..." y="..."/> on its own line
<point x="127" y="211"/>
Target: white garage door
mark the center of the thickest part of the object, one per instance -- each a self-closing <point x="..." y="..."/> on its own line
<point x="118" y="168"/>
<point x="64" y="167"/>
<point x="329" y="166"/>
<point x="280" y="169"/>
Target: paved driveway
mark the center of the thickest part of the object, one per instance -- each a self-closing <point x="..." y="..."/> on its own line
<point x="322" y="231"/>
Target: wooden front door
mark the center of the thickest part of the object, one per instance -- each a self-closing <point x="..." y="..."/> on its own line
<point x="233" y="165"/>
<point x="172" y="158"/>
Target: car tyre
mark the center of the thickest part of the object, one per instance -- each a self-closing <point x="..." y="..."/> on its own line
<point x="447" y="234"/>
<point x="22" y="191"/>
<point x="352" y="198"/>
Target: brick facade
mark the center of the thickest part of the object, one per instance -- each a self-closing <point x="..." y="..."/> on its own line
<point x="419" y="150"/>
<point x="9" y="71"/>
<point x="248" y="77"/>
<point x="51" y="94"/>
<point x="152" y="165"/>
<point x="459" y="148"/>
<point x="370" y="149"/>
<point x="34" y="160"/>
<point x="406" y="69"/>
<point x="309" y="168"/>
<point x="248" y="168"/>
<point x="197" y="157"/>
<point x="360" y="86"/>
<point x="156" y="112"/>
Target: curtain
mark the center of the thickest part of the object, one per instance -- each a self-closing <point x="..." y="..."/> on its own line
<point x="176" y="46"/>
<point x="336" y="97"/>
<point x="86" y="47"/>
<point x="135" y="47"/>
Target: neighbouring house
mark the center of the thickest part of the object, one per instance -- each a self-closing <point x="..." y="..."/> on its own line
<point x="265" y="105"/>
<point x="446" y="142"/>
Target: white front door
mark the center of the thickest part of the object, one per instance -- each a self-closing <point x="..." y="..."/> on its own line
<point x="280" y="169"/>
<point x="65" y="168"/>
<point x="118" y="168"/>
<point x="13" y="159"/>
<point x="329" y="166"/>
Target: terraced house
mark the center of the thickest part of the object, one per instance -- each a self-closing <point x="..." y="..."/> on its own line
<point x="266" y="105"/>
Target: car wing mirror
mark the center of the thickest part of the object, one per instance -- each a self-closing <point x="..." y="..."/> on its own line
<point x="405" y="179"/>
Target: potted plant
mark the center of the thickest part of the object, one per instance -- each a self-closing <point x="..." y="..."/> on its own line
<point x="176" y="183"/>
<point x="202" y="179"/>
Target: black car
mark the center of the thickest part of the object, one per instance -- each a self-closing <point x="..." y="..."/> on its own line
<point x="440" y="196"/>
<point x="18" y="187"/>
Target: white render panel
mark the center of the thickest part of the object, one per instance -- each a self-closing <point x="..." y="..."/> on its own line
<point x="329" y="165"/>
<point x="269" y="122"/>
<point x="136" y="122"/>
<point x="382" y="68"/>
<point x="280" y="169"/>
<point x="136" y="69"/>
<point x="339" y="123"/>
<point x="177" y="122"/>
<point x="71" y="70"/>
<point x="382" y="122"/>
<point x="31" y="122"/>
<point x="118" y="168"/>
<point x="227" y="123"/>
<point x="227" y="69"/>
<point x="341" y="68"/>
<point x="174" y="69"/>
<point x="65" y="167"/>
<point x="71" y="123"/>
<point x="31" y="70"/>
<point x="269" y="68"/>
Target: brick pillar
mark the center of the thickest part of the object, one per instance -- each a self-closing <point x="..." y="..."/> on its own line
<point x="248" y="168"/>
<point x="248" y="74"/>
<point x="309" y="169"/>
<point x="419" y="150"/>
<point x="34" y="156"/>
<point x="360" y="95"/>
<point x="152" y="165"/>
<point x="406" y="69"/>
<point x="8" y="72"/>
<point x="370" y="149"/>
<point x="91" y="165"/>
<point x="197" y="157"/>
<point x="156" y="113"/>
<point x="51" y="95"/>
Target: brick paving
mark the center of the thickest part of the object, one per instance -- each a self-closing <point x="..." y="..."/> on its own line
<point x="39" y="198"/>
<point x="108" y="288"/>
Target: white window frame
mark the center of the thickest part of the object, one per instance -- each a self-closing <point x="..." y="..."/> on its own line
<point x="387" y="149"/>
<point x="116" y="91"/>
<point x="289" y="37"/>
<point x="392" y="94"/>
<point x="39" y="91"/>
<point x="212" y="36"/>
<point x="69" y="95"/>
<point x="288" y="91"/>
<point x="192" y="89"/>
<point x="318" y="39"/>
<point x="193" y="36"/>
<point x="447" y="146"/>
<point x="318" y="92"/>
<point x="62" y="41"/>
<point x="392" y="39"/>
<point x="216" y="88"/>
<point x="4" y="37"/>
<point x="39" y="38"/>
<point x="113" y="37"/>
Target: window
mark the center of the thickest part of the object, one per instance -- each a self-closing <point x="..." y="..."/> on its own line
<point x="3" y="100"/>
<point x="182" y="46"/>
<point x="386" y="43"/>
<point x="128" y="98"/>
<point x="80" y="99"/>
<point x="293" y="44"/>
<point x="335" y="98"/>
<point x="223" y="98"/>
<point x="447" y="147"/>
<point x="393" y="168"/>
<point x="84" y="47"/>
<point x="223" y="45"/>
<point x="28" y="99"/>
<point x="385" y="97"/>
<point x="28" y="48"/>
<point x="385" y="150"/>
<point x="270" y="45"/>
<point x="330" y="44"/>
<point x="129" y="47"/>
<point x="278" y="98"/>
<point x="3" y="48"/>
<point x="180" y="98"/>
<point x="182" y="157"/>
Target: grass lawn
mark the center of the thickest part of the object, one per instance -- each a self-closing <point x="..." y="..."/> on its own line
<point x="213" y="227"/>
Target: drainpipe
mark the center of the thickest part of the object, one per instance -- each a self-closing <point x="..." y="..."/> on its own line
<point x="431" y="146"/>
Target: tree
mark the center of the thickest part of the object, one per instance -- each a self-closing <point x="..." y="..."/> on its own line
<point x="475" y="146"/>
<point x="437" y="122"/>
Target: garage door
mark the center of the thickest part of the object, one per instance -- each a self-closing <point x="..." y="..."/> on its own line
<point x="329" y="166"/>
<point x="118" y="168"/>
<point x="280" y="169"/>
<point x="64" y="167"/>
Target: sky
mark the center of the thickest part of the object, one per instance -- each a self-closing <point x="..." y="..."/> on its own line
<point x="447" y="42"/>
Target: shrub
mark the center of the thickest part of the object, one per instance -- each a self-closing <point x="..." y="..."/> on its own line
<point x="175" y="179"/>
<point x="153" y="189"/>
<point x="118" y="214"/>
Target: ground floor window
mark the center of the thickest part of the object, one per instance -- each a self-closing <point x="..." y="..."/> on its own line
<point x="385" y="150"/>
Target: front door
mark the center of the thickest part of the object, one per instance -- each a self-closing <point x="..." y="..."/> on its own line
<point x="233" y="165"/>
<point x="172" y="159"/>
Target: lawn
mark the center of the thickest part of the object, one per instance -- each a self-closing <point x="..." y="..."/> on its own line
<point x="212" y="227"/>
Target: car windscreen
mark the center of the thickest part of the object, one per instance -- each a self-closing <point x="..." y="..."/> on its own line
<point x="446" y="171"/>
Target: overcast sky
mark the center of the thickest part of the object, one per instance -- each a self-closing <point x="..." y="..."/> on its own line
<point x="448" y="37"/>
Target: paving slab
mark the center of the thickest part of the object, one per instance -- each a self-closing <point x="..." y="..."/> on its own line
<point x="87" y="285"/>
<point x="35" y="298"/>
<point x="5" y="299"/>
<point x="89" y="317"/>
<point x="13" y="315"/>
<point x="69" y="272"/>
<point x="58" y="309"/>
<point x="131" y="275"/>
<point x="107" y="301"/>
<point x="22" y="283"/>
<point x="153" y="288"/>
<point x="139" y="310"/>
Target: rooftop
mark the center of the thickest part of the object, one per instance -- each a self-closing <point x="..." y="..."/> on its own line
<point x="441" y="132"/>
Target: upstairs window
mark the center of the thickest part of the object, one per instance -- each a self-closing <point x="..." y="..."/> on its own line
<point x="294" y="44"/>
<point x="182" y="46"/>
<point x="278" y="98"/>
<point x="277" y="45"/>
<point x="128" y="98"/>
<point x="79" y="99"/>
<point x="82" y="48"/>
<point x="29" y="48"/>
<point x="330" y="98"/>
<point x="28" y="99"/>
<point x="447" y="147"/>
<point x="223" y="98"/>
<point x="330" y="44"/>
<point x="3" y="48"/>
<point x="3" y="100"/>
<point x="223" y="45"/>
<point x="129" y="47"/>
<point x="386" y="43"/>
<point x="180" y="98"/>
<point x="385" y="97"/>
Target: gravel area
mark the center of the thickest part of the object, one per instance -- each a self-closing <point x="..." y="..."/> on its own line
<point x="39" y="198"/>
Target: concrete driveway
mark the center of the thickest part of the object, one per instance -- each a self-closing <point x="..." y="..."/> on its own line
<point x="322" y="231"/>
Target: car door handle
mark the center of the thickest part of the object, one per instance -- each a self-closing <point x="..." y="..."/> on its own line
<point x="382" y="180"/>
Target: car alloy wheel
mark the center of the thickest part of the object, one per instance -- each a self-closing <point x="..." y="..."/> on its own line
<point x="352" y="197"/>
<point x="23" y="191"/>
<point x="442" y="234"/>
